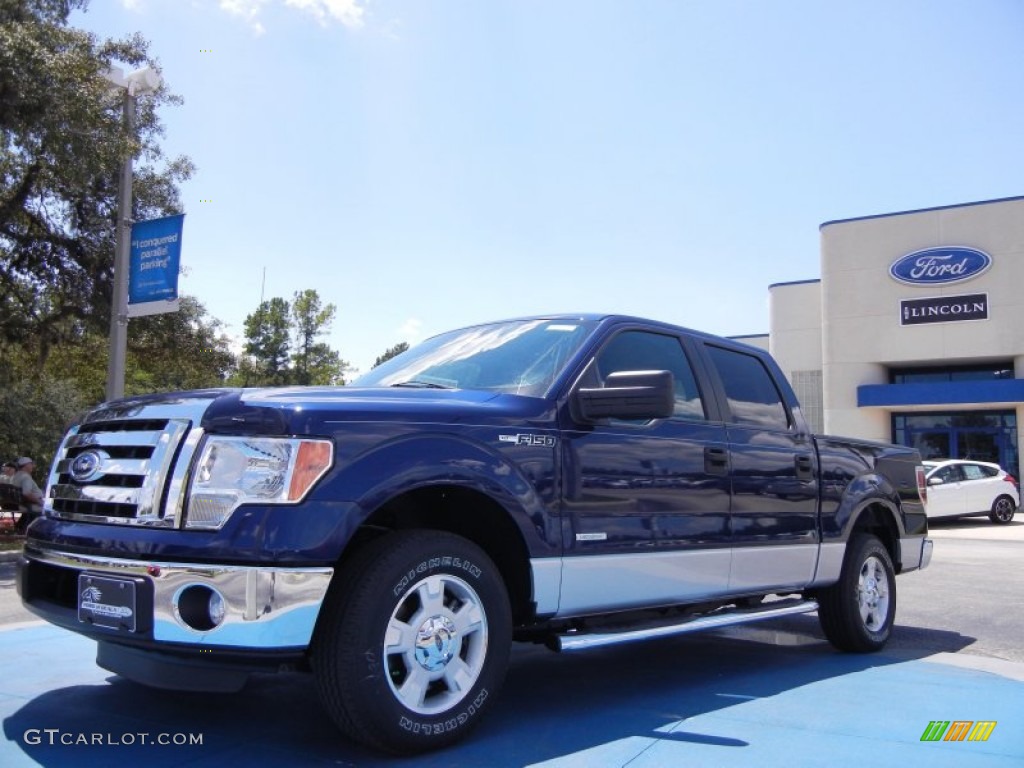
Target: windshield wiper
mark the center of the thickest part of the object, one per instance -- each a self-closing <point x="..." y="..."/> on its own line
<point x="414" y="383"/>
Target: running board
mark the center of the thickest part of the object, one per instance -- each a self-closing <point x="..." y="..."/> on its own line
<point x="585" y="640"/>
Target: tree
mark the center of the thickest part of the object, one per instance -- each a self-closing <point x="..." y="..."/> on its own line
<point x="267" y="343"/>
<point x="282" y="347"/>
<point x="392" y="352"/>
<point x="34" y="414"/>
<point x="62" y="142"/>
<point x="180" y="350"/>
<point x="314" y="362"/>
<point x="177" y="350"/>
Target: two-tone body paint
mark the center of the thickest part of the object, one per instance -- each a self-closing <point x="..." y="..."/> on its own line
<point x="611" y="515"/>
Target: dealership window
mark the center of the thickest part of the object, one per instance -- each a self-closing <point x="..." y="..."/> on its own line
<point x="988" y="372"/>
<point x="979" y="435"/>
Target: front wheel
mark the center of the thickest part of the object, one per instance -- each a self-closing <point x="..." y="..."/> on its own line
<point x="857" y="612"/>
<point x="414" y="641"/>
<point x="1002" y="510"/>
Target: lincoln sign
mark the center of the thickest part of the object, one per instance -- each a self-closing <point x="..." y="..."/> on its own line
<point x="944" y="309"/>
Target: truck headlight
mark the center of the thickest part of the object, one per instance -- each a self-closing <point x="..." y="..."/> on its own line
<point x="238" y="470"/>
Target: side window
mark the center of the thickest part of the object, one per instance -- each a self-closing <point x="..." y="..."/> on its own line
<point x="749" y="387"/>
<point x="973" y="472"/>
<point x="950" y="474"/>
<point x="643" y="351"/>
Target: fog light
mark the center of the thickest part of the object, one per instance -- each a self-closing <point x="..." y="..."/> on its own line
<point x="200" y="607"/>
<point x="217" y="608"/>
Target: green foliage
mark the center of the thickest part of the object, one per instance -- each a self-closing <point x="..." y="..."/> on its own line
<point x="309" y="320"/>
<point x="34" y="414"/>
<point x="268" y="344"/>
<point x="392" y="352"/>
<point x="277" y="328"/>
<point x="62" y="142"/>
<point x="177" y="350"/>
<point x="173" y="351"/>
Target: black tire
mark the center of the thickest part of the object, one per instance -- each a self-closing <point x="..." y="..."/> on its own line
<point x="1002" y="510"/>
<point x="413" y="641"/>
<point x="857" y="612"/>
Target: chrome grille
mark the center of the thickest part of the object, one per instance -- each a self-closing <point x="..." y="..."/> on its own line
<point x="116" y="470"/>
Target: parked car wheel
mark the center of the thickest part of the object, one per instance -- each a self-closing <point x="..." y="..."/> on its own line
<point x="1002" y="510"/>
<point x="414" y="641"/>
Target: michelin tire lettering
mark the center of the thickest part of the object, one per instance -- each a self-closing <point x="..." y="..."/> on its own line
<point x="533" y="482"/>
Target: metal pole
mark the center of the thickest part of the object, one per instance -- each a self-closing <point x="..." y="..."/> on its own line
<point x="119" y="303"/>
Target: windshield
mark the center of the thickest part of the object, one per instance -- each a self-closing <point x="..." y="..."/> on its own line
<point x="521" y="356"/>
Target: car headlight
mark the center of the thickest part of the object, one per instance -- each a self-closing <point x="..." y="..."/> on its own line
<point x="237" y="470"/>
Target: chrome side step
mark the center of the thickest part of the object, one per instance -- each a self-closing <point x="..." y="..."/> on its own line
<point x="573" y="641"/>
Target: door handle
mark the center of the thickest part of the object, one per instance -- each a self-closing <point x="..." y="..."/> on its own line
<point x="804" y="468"/>
<point x="716" y="461"/>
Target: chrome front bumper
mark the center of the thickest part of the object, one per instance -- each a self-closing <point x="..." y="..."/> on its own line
<point x="266" y="608"/>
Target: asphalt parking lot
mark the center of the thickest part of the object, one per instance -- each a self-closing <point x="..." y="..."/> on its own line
<point x="767" y="695"/>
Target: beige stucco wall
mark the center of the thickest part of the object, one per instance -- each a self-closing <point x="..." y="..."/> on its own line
<point x="861" y="331"/>
<point x="794" y="311"/>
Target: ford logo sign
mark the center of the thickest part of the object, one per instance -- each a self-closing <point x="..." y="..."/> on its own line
<point x="87" y="466"/>
<point x="937" y="266"/>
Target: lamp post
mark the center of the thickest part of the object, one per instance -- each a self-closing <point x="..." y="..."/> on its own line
<point x="144" y="80"/>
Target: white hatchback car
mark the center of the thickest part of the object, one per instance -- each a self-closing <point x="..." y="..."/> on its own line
<point x="958" y="488"/>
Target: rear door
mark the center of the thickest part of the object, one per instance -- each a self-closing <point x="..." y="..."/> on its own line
<point x="773" y="473"/>
<point x="981" y="485"/>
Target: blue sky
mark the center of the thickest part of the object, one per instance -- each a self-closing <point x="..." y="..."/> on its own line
<point x="428" y="164"/>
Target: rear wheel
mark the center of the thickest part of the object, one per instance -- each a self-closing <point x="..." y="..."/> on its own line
<point x="1002" y="510"/>
<point x="857" y="612"/>
<point x="414" y="641"/>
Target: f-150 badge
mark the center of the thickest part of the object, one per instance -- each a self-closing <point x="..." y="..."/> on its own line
<point x="545" y="441"/>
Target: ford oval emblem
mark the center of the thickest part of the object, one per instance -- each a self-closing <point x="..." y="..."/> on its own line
<point x="86" y="466"/>
<point x="937" y="266"/>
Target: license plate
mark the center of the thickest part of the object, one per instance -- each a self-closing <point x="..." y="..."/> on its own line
<point x="106" y="602"/>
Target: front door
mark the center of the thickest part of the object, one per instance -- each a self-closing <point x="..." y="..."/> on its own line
<point x="648" y="501"/>
<point x="946" y="495"/>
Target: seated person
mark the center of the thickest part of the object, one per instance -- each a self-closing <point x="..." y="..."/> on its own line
<point x="31" y="494"/>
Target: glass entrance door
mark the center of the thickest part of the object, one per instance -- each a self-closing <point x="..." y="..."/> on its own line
<point x="980" y="435"/>
<point x="979" y="445"/>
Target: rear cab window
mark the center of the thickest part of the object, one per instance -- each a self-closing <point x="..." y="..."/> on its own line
<point x="751" y="393"/>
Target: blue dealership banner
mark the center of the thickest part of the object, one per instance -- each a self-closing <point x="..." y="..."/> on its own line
<point x="154" y="258"/>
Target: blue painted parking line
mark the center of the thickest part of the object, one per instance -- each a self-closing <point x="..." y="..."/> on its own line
<point x="709" y="700"/>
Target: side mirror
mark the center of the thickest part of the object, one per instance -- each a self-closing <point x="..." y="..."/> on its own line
<point x="629" y="395"/>
<point x="935" y="481"/>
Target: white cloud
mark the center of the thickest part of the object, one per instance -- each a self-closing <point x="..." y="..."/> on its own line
<point x="347" y="12"/>
<point x="247" y="10"/>
<point x="411" y="330"/>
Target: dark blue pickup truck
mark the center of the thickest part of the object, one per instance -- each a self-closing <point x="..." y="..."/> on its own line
<point x="577" y="481"/>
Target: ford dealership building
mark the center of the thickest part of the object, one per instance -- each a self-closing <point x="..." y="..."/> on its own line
<point x="915" y="332"/>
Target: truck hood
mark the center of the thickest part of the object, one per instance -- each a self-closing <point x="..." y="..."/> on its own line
<point x="318" y="410"/>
